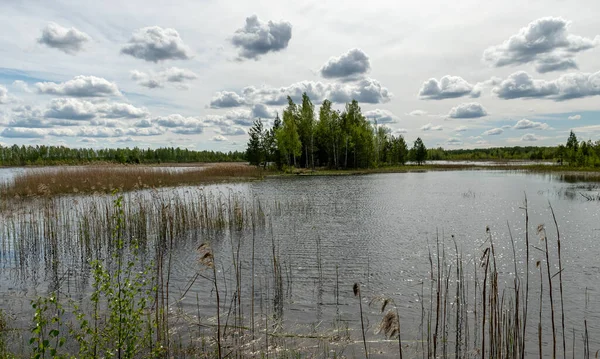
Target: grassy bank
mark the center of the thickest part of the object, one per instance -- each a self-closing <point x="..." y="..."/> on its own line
<point x="106" y="179"/>
<point x="534" y="168"/>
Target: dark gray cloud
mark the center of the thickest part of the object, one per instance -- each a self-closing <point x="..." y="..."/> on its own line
<point x="3" y="94"/>
<point x="381" y="116"/>
<point x="468" y="110"/>
<point x="156" y="44"/>
<point x="349" y="65"/>
<point x="568" y="86"/>
<point x="226" y="99"/>
<point x="80" y="86"/>
<point x="554" y="63"/>
<point x="19" y="132"/>
<point x="257" y="38"/>
<point x="157" y="80"/>
<point x="70" y="41"/>
<point x="448" y="87"/>
<point x="546" y="42"/>
<point x="526" y="124"/>
<point x="260" y="110"/>
<point x="494" y="132"/>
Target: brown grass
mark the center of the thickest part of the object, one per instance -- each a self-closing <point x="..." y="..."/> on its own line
<point x="105" y="179"/>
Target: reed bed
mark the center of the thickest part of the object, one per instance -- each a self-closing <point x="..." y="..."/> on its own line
<point x="106" y="179"/>
<point x="471" y="305"/>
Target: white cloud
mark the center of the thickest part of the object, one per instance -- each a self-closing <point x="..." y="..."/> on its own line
<point x="70" y="41"/>
<point x="418" y="113"/>
<point x="364" y="91"/>
<point x="70" y="109"/>
<point x="526" y="124"/>
<point x="258" y="38"/>
<point x="430" y="127"/>
<point x="3" y="94"/>
<point x="80" y="86"/>
<point x="575" y="117"/>
<point x="19" y="132"/>
<point x="494" y="132"/>
<point x="156" y="44"/>
<point x="454" y="141"/>
<point x="22" y="85"/>
<point x="468" y="110"/>
<point x="529" y="137"/>
<point x="461" y="129"/>
<point x="155" y="80"/>
<point x="568" y="86"/>
<point x="447" y="87"/>
<point x="546" y="42"/>
<point x="219" y="138"/>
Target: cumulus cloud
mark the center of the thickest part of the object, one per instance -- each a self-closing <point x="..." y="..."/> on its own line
<point x="70" y="41"/>
<point x="454" y="141"/>
<point x="20" y="132"/>
<point x="526" y="124"/>
<point x="155" y="80"/>
<point x="461" y="129"/>
<point x="219" y="138"/>
<point x="80" y="86"/>
<point x="381" y="116"/>
<point x="349" y="65"/>
<point x="494" y="132"/>
<point x="225" y="99"/>
<point x="575" y="117"/>
<point x="22" y="85"/>
<point x="568" y="86"/>
<point x="260" y="110"/>
<point x="546" y="42"/>
<point x="75" y="109"/>
<point x="418" y="113"/>
<point x="3" y="94"/>
<point x="468" y="110"/>
<point x="27" y="117"/>
<point x="156" y="44"/>
<point x="448" y="87"/>
<point x="529" y="137"/>
<point x="257" y="38"/>
<point x="430" y="127"/>
<point x="364" y="91"/>
<point x="70" y="109"/>
<point x="400" y="131"/>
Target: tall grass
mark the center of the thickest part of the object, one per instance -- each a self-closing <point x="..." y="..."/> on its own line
<point x="465" y="313"/>
<point x="106" y="179"/>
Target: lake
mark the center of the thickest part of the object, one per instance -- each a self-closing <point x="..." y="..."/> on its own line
<point x="328" y="233"/>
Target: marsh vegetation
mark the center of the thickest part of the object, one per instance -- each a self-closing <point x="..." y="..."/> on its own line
<point x="303" y="267"/>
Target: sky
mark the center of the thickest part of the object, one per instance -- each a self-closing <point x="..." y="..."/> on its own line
<point x="196" y="74"/>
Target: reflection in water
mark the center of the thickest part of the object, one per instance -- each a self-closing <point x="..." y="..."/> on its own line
<point x="295" y="246"/>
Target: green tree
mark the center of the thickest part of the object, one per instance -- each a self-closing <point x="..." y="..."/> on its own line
<point x="255" y="150"/>
<point x="288" y="140"/>
<point x="419" y="152"/>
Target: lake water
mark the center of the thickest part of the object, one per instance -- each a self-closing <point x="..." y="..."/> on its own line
<point x="378" y="230"/>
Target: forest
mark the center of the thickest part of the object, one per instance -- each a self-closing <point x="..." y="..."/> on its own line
<point x="347" y="139"/>
<point x="57" y="155"/>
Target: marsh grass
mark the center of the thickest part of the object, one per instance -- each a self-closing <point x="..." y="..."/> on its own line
<point x="106" y="179"/>
<point x="464" y="314"/>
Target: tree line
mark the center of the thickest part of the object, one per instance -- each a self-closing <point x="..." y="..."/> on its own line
<point x="347" y="139"/>
<point x="332" y="138"/>
<point x="573" y="153"/>
<point x="53" y="155"/>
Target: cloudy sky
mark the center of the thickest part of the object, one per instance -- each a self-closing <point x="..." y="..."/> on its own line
<point x="197" y="73"/>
